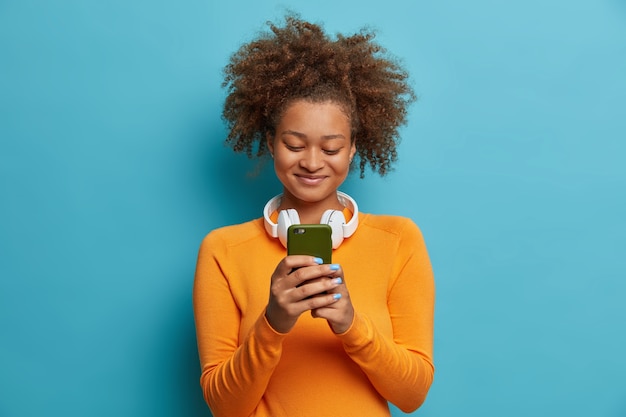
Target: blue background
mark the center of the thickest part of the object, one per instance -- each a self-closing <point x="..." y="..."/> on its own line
<point x="112" y="169"/>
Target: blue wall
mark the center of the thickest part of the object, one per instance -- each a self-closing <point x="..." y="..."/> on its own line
<point x="112" y="169"/>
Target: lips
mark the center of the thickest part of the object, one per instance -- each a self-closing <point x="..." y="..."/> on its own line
<point x="310" y="179"/>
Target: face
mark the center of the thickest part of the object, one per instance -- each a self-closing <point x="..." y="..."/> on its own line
<point x="312" y="151"/>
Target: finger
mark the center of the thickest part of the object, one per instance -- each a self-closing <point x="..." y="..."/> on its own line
<point x="316" y="286"/>
<point x="334" y="270"/>
<point x="318" y="301"/>
<point x="309" y="273"/>
<point x="289" y="264"/>
<point x="339" y="314"/>
<point x="293" y="262"/>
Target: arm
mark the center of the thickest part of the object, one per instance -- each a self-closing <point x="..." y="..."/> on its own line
<point x="401" y="369"/>
<point x="234" y="375"/>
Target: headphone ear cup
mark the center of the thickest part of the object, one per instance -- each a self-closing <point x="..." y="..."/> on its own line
<point x="335" y="219"/>
<point x="285" y="219"/>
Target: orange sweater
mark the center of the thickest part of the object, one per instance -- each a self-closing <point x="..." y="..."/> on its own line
<point x="248" y="369"/>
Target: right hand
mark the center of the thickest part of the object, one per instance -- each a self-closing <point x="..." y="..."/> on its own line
<point x="298" y="285"/>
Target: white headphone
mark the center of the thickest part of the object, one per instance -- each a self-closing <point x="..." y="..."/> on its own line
<point x="334" y="218"/>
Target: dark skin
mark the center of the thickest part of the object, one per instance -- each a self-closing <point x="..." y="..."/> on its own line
<point x="310" y="287"/>
<point x="312" y="153"/>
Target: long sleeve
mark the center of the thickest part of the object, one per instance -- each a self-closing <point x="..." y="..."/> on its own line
<point x="401" y="369"/>
<point x="250" y="370"/>
<point x="234" y="374"/>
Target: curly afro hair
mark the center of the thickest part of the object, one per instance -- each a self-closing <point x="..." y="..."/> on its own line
<point x="299" y="61"/>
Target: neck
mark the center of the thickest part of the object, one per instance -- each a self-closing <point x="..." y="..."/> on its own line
<point x="310" y="212"/>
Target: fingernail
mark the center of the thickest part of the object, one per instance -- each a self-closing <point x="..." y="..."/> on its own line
<point x="318" y="261"/>
<point x="334" y="267"/>
<point x="337" y="280"/>
<point x="337" y="296"/>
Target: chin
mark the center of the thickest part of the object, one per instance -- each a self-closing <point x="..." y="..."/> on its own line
<point x="312" y="196"/>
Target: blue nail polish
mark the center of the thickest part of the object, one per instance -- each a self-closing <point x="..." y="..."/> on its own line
<point x="318" y="261"/>
<point x="334" y="267"/>
<point x="337" y="296"/>
<point x="337" y="280"/>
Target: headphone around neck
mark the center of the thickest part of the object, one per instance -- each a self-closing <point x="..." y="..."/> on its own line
<point x="334" y="218"/>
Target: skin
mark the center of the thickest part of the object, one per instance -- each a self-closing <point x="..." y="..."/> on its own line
<point x="312" y="151"/>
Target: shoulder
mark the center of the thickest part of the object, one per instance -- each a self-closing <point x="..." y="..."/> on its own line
<point x="401" y="228"/>
<point x="234" y="235"/>
<point x="398" y="237"/>
<point x="389" y="223"/>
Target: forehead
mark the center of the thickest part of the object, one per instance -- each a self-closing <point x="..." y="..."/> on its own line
<point x="311" y="114"/>
<point x="277" y="113"/>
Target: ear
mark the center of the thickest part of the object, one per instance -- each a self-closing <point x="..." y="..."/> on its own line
<point x="352" y="150"/>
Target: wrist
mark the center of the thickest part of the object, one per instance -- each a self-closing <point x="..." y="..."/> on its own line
<point x="275" y="324"/>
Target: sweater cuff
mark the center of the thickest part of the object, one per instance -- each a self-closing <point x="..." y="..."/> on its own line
<point x="266" y="334"/>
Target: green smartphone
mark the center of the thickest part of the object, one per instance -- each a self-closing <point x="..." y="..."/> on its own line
<point x="310" y="239"/>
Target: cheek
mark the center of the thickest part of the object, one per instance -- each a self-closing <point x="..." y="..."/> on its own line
<point x="342" y="166"/>
<point x="282" y="162"/>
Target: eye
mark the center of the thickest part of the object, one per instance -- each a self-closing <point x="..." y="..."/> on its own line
<point x="294" y="148"/>
<point x="331" y="151"/>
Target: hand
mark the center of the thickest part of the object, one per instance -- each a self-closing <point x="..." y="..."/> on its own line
<point x="339" y="314"/>
<point x="299" y="283"/>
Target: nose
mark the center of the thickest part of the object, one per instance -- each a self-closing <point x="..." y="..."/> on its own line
<point x="312" y="160"/>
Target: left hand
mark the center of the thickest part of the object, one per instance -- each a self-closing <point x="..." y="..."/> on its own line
<point x="339" y="314"/>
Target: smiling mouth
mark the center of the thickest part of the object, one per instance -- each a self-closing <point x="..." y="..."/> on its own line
<point x="310" y="180"/>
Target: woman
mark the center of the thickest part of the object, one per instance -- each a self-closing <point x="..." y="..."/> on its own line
<point x="287" y="335"/>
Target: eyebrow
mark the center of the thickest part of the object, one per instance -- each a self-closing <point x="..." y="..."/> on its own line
<point x="303" y="136"/>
